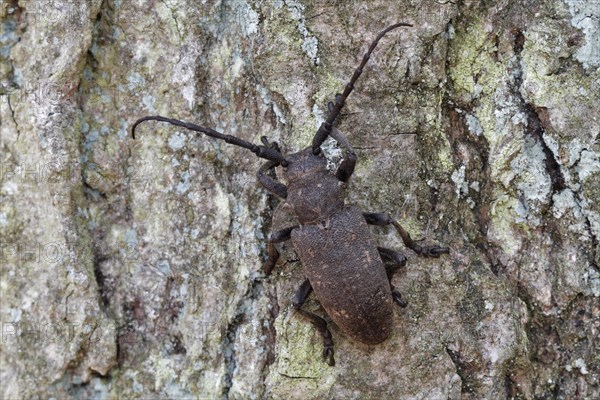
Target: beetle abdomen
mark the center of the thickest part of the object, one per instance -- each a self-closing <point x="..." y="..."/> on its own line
<point x="341" y="261"/>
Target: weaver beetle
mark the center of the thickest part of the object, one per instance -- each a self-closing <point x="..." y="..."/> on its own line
<point x="350" y="275"/>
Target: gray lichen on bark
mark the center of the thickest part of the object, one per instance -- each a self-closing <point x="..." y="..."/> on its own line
<point x="133" y="269"/>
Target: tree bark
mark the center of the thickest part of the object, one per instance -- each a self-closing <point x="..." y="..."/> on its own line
<point x="133" y="268"/>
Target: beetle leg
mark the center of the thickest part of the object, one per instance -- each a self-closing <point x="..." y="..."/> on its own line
<point x="393" y="262"/>
<point x="282" y="235"/>
<point x="346" y="168"/>
<point x="272" y="185"/>
<point x="398" y="297"/>
<point x="273" y="256"/>
<point x="319" y="323"/>
<point x="383" y="219"/>
<point x="276" y="237"/>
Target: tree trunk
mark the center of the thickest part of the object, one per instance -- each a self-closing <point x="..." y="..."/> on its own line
<point x="134" y="268"/>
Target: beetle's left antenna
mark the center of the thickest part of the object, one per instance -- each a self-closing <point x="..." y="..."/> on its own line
<point x="325" y="128"/>
<point x="267" y="152"/>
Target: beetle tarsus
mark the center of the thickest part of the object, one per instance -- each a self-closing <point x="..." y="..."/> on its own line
<point x="431" y="251"/>
<point x="328" y="355"/>
<point x="398" y="298"/>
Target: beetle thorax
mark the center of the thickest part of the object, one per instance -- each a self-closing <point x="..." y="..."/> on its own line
<point x="313" y="191"/>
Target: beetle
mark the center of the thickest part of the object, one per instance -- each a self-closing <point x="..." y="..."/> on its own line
<point x="350" y="275"/>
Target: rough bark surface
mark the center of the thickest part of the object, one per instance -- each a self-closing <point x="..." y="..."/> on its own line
<point x="133" y="269"/>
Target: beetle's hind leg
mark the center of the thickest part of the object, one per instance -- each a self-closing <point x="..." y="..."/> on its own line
<point x="319" y="323"/>
<point x="393" y="262"/>
<point x="383" y="219"/>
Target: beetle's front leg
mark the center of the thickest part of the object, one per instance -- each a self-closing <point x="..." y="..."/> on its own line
<point x="319" y="323"/>
<point x="276" y="237"/>
<point x="346" y="168"/>
<point x="383" y="219"/>
<point x="393" y="262"/>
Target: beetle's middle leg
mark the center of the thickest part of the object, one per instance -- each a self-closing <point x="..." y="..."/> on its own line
<point x="383" y="219"/>
<point x="393" y="262"/>
<point x="319" y="323"/>
<point x="276" y="237"/>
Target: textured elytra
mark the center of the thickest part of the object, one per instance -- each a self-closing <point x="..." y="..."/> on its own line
<point x="340" y="259"/>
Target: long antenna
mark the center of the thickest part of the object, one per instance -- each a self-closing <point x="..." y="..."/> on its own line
<point x="325" y="128"/>
<point x="270" y="153"/>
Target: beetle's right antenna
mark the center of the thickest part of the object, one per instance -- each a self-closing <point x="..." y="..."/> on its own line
<point x="325" y="128"/>
<point x="269" y="152"/>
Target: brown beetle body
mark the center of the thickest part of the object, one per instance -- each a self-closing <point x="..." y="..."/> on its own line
<point x="340" y="259"/>
<point x="338" y="254"/>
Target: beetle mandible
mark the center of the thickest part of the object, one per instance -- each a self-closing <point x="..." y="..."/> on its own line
<point x="350" y="275"/>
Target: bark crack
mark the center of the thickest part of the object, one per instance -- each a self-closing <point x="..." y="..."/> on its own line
<point x="232" y="335"/>
<point x="297" y="377"/>
<point x="473" y="152"/>
<point x="12" y="114"/>
<point x="98" y="257"/>
<point x="229" y="353"/>
<point x="171" y="10"/>
<point x="579" y="201"/>
<point x="535" y="128"/>
<point x="463" y="370"/>
<point x="11" y="35"/>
